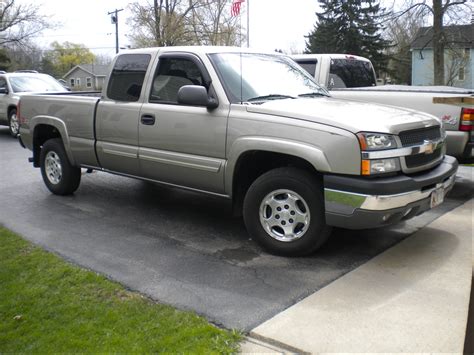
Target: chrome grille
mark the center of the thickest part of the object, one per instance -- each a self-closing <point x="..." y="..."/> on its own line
<point x="413" y="161"/>
<point x="418" y="136"/>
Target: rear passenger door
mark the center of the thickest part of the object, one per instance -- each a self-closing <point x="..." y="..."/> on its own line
<point x="118" y="115"/>
<point x="179" y="144"/>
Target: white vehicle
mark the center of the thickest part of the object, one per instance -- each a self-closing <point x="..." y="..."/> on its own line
<point x="353" y="77"/>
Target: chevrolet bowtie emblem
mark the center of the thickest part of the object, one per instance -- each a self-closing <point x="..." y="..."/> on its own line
<point x="429" y="146"/>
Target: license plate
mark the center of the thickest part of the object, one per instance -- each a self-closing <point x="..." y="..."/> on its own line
<point x="437" y="197"/>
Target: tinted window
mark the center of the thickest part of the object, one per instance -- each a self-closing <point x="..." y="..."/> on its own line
<point x="350" y="73"/>
<point x="172" y="74"/>
<point x="308" y="65"/>
<point x="126" y="79"/>
<point x="3" y="84"/>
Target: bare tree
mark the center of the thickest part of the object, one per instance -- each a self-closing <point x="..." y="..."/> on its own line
<point x="182" y="22"/>
<point x="458" y="62"/>
<point x="20" y="22"/>
<point x="441" y="11"/>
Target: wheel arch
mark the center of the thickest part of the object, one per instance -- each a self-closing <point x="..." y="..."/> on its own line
<point x="253" y="157"/>
<point x="44" y="128"/>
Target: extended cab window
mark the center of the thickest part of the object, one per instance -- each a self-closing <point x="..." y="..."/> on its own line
<point x="126" y="79"/>
<point x="172" y="74"/>
<point x="3" y="86"/>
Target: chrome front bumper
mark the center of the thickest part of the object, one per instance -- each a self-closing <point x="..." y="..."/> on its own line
<point x="370" y="209"/>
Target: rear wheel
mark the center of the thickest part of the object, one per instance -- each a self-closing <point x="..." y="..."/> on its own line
<point x="284" y="212"/>
<point x="60" y="177"/>
<point x="13" y="123"/>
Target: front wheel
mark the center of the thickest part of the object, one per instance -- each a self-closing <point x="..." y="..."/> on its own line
<point x="284" y="212"/>
<point x="60" y="177"/>
<point x="13" y="123"/>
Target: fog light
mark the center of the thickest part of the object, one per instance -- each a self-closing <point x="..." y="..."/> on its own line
<point x="386" y="217"/>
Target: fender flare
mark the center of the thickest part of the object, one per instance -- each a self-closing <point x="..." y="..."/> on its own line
<point x="60" y="126"/>
<point x="310" y="153"/>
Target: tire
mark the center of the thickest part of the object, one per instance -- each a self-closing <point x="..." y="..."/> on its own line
<point x="13" y="123"/>
<point x="59" y="176"/>
<point x="284" y="212"/>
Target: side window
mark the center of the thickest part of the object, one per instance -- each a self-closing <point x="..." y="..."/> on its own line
<point x="126" y="79"/>
<point x="72" y="81"/>
<point x="3" y="85"/>
<point x="172" y="74"/>
<point x="308" y="65"/>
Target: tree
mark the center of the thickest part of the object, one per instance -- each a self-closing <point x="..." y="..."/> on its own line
<point x="5" y="61"/>
<point x="401" y="32"/>
<point x="350" y="26"/>
<point x="20" y="22"/>
<point x="62" y="57"/>
<point x="182" y="22"/>
<point x="439" y="10"/>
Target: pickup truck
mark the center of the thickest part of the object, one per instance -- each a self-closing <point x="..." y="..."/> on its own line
<point x="353" y="77"/>
<point x="247" y="126"/>
<point x="14" y="85"/>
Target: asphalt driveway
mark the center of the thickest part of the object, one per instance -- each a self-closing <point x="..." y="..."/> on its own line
<point x="180" y="247"/>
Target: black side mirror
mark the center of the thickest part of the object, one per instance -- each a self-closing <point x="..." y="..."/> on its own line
<point x="196" y="95"/>
<point x="3" y="91"/>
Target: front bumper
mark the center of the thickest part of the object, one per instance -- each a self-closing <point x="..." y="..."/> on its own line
<point x="359" y="203"/>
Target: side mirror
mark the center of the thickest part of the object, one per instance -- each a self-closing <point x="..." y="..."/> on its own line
<point x="3" y="91"/>
<point x="196" y="95"/>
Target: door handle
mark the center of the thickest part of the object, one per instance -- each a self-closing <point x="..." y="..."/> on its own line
<point x="148" y="120"/>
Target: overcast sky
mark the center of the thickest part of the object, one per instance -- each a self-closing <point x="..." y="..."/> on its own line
<point x="274" y="24"/>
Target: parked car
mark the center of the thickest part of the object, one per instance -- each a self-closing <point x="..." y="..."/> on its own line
<point x="14" y="85"/>
<point x="247" y="126"/>
<point x="353" y="77"/>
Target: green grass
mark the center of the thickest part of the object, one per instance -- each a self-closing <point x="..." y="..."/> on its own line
<point x="48" y="305"/>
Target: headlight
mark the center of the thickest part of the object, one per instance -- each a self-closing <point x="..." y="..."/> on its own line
<point x="376" y="141"/>
<point x="373" y="142"/>
<point x="380" y="166"/>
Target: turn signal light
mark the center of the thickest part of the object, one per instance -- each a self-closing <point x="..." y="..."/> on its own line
<point x="467" y="120"/>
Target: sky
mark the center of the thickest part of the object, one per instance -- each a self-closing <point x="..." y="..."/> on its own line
<point x="274" y="24"/>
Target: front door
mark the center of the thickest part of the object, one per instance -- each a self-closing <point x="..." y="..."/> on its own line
<point x="181" y="145"/>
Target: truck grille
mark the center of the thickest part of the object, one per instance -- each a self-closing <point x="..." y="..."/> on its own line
<point x="413" y="161"/>
<point x="418" y="136"/>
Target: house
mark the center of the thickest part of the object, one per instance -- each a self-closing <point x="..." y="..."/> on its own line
<point x="458" y="56"/>
<point x="88" y="77"/>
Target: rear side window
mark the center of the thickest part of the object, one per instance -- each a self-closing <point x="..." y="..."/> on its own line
<point x="308" y="65"/>
<point x="350" y="73"/>
<point x="126" y="79"/>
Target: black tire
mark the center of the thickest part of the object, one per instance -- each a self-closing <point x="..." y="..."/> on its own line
<point x="293" y="192"/>
<point x="59" y="176"/>
<point x="13" y="126"/>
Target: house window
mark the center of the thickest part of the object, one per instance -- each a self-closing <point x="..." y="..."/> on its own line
<point x="467" y="53"/>
<point x="78" y="82"/>
<point x="89" y="82"/>
<point x="461" y="74"/>
<point x="72" y="81"/>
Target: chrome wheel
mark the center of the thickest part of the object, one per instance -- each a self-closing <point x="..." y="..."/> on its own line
<point x="53" y="167"/>
<point x="284" y="215"/>
<point x="14" y="127"/>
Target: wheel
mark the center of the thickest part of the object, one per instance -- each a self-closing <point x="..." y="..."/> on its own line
<point x="284" y="212"/>
<point x="60" y="177"/>
<point x="13" y="123"/>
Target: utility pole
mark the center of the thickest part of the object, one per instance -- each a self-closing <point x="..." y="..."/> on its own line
<point x="114" y="20"/>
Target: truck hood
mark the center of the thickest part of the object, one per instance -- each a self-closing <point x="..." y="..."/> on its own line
<point x="353" y="116"/>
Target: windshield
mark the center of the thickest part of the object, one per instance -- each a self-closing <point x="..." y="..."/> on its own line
<point x="249" y="77"/>
<point x="35" y="83"/>
<point x="350" y="73"/>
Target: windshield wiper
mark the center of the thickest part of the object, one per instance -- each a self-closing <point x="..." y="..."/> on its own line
<point x="312" y="94"/>
<point x="270" y="97"/>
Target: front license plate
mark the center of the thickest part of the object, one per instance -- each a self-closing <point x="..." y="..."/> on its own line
<point x="437" y="197"/>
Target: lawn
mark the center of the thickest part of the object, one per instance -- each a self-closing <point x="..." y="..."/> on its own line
<point x="48" y="305"/>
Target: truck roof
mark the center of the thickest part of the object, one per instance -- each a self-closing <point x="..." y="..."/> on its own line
<point x="329" y="55"/>
<point x="200" y="50"/>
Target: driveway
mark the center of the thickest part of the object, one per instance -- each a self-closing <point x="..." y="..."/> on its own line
<point x="179" y="247"/>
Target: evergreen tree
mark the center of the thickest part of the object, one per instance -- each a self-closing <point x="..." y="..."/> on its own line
<point x="350" y="26"/>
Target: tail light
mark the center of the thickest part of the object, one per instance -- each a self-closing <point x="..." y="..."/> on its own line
<point x="467" y="119"/>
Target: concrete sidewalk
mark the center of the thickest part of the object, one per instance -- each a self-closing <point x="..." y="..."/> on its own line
<point x="412" y="298"/>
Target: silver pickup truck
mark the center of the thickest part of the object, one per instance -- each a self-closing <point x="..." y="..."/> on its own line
<point x="247" y="126"/>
